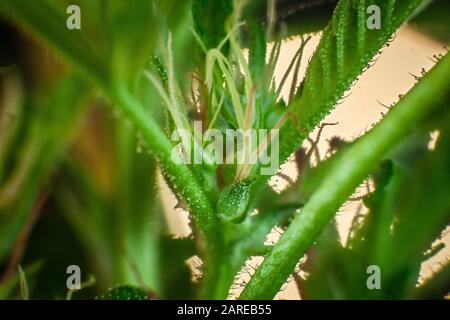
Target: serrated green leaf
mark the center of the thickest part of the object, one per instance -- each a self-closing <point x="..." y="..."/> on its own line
<point x="345" y="50"/>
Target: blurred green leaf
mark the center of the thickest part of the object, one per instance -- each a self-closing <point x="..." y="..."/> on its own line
<point x="10" y="288"/>
<point x="433" y="20"/>
<point x="6" y="69"/>
<point x="47" y="18"/>
<point x="174" y="271"/>
<point x="212" y="31"/>
<point x="134" y="34"/>
<point x="45" y="140"/>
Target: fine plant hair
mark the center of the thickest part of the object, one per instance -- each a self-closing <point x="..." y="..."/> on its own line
<point x="159" y="69"/>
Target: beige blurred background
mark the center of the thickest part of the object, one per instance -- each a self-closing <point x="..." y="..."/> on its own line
<point x="408" y="54"/>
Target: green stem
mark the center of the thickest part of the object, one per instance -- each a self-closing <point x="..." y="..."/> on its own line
<point x="178" y="175"/>
<point x="218" y="279"/>
<point x="355" y="164"/>
<point x="182" y="179"/>
<point x="79" y="50"/>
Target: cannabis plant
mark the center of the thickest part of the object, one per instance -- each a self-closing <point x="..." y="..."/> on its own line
<point x="103" y="99"/>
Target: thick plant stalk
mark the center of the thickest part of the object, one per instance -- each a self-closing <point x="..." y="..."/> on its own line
<point x="178" y="175"/>
<point x="354" y="165"/>
<point x="184" y="181"/>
